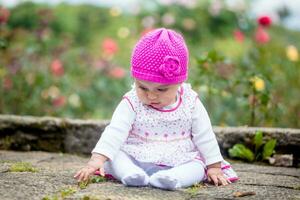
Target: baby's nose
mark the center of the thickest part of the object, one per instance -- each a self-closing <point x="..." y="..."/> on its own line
<point x="151" y="96"/>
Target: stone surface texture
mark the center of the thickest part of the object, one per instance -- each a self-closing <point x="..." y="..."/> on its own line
<point x="32" y="139"/>
<point x="56" y="170"/>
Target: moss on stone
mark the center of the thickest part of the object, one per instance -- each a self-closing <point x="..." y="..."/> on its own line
<point x="83" y="184"/>
<point x="22" y="167"/>
<point x="94" y="179"/>
<point x="297" y="188"/>
<point x="193" y="190"/>
<point x="67" y="192"/>
<point x="6" y="142"/>
<point x="63" y="193"/>
<point x="88" y="197"/>
<point x="52" y="145"/>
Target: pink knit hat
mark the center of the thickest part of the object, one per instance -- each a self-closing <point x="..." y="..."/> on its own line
<point x="160" y="56"/>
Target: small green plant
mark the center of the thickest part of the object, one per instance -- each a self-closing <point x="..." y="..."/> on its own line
<point x="83" y="184"/>
<point x="193" y="190"/>
<point x="22" y="167"/>
<point x="67" y="192"/>
<point x="63" y="193"/>
<point x="98" y="179"/>
<point x="86" y="198"/>
<point x="94" y="179"/>
<point x="258" y="151"/>
<point x="55" y="197"/>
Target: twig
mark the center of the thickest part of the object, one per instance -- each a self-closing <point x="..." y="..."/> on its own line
<point x="242" y="194"/>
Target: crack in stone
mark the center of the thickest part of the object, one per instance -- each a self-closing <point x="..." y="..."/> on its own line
<point x="46" y="159"/>
<point x="269" y="173"/>
<point x="278" y="186"/>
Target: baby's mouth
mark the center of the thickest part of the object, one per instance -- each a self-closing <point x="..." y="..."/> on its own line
<point x="155" y="105"/>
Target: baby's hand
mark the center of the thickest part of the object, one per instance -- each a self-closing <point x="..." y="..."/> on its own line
<point x="216" y="176"/>
<point x="84" y="173"/>
<point x="96" y="162"/>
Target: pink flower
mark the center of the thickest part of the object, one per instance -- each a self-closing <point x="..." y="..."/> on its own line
<point x="110" y="46"/>
<point x="238" y="35"/>
<point x="4" y="15"/>
<point x="117" y="72"/>
<point x="170" y="67"/>
<point x="59" y="101"/>
<point x="57" y="68"/>
<point x="261" y="36"/>
<point x="264" y="21"/>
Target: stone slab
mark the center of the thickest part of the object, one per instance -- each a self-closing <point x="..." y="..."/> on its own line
<point x="80" y="136"/>
<point x="56" y="172"/>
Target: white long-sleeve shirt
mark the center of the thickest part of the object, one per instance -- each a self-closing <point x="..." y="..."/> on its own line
<point x="117" y="132"/>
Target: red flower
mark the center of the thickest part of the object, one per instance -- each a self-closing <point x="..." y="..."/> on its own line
<point x="261" y="36"/>
<point x="238" y="35"/>
<point x="4" y="14"/>
<point x="7" y="83"/>
<point x="117" y="72"/>
<point x="59" y="101"/>
<point x="110" y="46"/>
<point x="264" y="21"/>
<point x="57" y="68"/>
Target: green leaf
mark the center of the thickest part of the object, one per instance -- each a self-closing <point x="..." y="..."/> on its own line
<point x="214" y="56"/>
<point x="269" y="148"/>
<point x="242" y="152"/>
<point x="203" y="59"/>
<point x="98" y="179"/>
<point x="258" y="140"/>
<point x="264" y="98"/>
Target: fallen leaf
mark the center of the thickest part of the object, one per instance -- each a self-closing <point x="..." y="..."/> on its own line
<point x="242" y="194"/>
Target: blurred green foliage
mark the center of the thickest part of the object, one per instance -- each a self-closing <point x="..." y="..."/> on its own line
<point x="74" y="60"/>
<point x="259" y="149"/>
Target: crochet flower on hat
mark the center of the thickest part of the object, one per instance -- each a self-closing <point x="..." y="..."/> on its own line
<point x="170" y="67"/>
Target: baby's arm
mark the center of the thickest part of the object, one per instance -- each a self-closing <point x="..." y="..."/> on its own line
<point x="96" y="162"/>
<point x="205" y="140"/>
<point x="114" y="135"/>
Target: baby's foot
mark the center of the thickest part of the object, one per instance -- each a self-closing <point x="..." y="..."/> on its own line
<point x="136" y="180"/>
<point x="164" y="182"/>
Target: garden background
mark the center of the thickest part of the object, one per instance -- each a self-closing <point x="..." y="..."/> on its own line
<point x="73" y="61"/>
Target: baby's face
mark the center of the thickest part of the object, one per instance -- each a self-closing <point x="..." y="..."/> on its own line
<point x="155" y="94"/>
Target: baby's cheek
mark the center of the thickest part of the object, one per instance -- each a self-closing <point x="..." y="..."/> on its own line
<point x="142" y="98"/>
<point x="171" y="100"/>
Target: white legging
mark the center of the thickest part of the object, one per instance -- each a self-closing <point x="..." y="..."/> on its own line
<point x="133" y="173"/>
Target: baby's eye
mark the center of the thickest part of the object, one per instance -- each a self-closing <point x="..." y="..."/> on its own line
<point x="162" y="89"/>
<point x="143" y="88"/>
